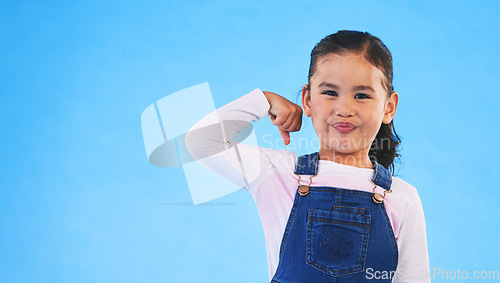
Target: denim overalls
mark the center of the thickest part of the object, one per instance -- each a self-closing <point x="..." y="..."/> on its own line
<point x="336" y="234"/>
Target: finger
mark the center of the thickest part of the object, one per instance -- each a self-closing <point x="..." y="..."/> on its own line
<point x="299" y="119"/>
<point x="293" y="127"/>
<point x="293" y="124"/>
<point x="279" y="120"/>
<point x="297" y="124"/>
<point x="288" y="124"/>
<point x="285" y="136"/>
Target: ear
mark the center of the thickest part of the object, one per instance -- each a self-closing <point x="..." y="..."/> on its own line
<point x="390" y="108"/>
<point x="306" y="101"/>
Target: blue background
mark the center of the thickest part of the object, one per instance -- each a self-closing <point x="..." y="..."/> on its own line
<point x="79" y="201"/>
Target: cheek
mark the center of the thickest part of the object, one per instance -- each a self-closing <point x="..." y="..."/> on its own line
<point x="315" y="109"/>
<point x="372" y="123"/>
<point x="317" y="104"/>
<point x="319" y="109"/>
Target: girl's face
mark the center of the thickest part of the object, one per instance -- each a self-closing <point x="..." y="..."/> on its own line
<point x="347" y="103"/>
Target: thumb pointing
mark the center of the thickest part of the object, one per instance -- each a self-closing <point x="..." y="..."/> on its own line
<point x="285" y="136"/>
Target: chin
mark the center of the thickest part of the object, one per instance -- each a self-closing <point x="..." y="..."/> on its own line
<point x="344" y="150"/>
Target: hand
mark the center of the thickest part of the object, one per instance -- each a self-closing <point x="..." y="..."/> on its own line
<point x="286" y="115"/>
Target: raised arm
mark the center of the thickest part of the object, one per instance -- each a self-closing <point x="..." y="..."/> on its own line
<point x="216" y="141"/>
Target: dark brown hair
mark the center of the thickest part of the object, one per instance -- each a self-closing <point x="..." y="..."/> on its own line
<point x="385" y="146"/>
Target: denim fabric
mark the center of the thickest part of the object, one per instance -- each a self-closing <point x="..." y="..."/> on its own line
<point x="336" y="234"/>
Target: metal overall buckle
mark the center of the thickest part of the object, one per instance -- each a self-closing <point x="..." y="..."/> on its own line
<point x="377" y="198"/>
<point x="303" y="189"/>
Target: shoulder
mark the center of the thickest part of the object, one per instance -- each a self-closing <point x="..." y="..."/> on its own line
<point x="403" y="188"/>
<point x="404" y="193"/>
<point x="280" y="159"/>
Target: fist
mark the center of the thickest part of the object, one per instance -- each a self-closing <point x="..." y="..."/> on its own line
<point x="285" y="115"/>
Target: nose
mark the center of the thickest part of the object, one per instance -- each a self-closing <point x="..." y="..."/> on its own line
<point x="344" y="107"/>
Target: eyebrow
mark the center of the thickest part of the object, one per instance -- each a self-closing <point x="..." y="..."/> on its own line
<point x="359" y="87"/>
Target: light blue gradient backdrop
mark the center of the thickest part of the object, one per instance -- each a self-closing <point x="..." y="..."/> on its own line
<point x="79" y="201"/>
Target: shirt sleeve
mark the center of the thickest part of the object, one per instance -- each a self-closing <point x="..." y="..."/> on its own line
<point x="216" y="141"/>
<point x="413" y="263"/>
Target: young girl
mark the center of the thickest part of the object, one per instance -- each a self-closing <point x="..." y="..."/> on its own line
<point x="337" y="214"/>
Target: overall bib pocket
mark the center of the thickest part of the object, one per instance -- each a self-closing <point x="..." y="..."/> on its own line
<point x="337" y="240"/>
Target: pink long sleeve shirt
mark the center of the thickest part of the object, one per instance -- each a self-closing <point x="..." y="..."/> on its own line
<point x="268" y="175"/>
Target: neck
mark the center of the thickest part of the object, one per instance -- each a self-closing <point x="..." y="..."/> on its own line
<point x="357" y="159"/>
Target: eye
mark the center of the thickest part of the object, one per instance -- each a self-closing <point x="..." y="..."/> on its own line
<point x="361" y="96"/>
<point x="330" y="93"/>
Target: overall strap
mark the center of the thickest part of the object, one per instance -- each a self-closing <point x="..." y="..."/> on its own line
<point x="381" y="177"/>
<point x="307" y="164"/>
